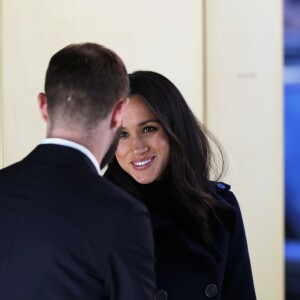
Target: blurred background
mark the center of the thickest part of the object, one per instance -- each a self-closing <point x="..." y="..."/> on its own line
<point x="292" y="147"/>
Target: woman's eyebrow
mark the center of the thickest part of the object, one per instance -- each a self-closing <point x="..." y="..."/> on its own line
<point x="148" y="121"/>
<point x="143" y="123"/>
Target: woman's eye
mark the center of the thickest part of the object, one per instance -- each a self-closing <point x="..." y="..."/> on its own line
<point x="123" y="134"/>
<point x="149" y="129"/>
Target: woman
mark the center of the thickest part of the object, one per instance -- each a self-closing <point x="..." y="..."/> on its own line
<point x="164" y="159"/>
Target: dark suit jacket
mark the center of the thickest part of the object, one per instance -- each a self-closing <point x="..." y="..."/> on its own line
<point x="67" y="233"/>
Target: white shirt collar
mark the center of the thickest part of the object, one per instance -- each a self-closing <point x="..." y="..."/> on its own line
<point x="84" y="150"/>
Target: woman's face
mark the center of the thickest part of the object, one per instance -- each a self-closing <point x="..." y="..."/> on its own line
<point x="143" y="150"/>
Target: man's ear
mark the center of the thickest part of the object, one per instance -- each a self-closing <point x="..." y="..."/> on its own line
<point x="117" y="114"/>
<point x="43" y="106"/>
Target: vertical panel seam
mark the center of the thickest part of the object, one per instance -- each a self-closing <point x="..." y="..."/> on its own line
<point x="1" y="88"/>
<point x="204" y="60"/>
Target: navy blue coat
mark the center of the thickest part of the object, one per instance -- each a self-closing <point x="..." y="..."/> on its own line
<point x="186" y="270"/>
<point x="68" y="234"/>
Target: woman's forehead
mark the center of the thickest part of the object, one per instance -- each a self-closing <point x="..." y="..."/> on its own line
<point x="137" y="111"/>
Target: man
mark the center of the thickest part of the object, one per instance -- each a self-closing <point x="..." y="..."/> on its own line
<point x="65" y="232"/>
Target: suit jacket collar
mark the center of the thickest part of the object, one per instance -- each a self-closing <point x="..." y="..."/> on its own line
<point x="60" y="155"/>
<point x="74" y="145"/>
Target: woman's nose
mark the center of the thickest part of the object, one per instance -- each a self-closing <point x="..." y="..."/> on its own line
<point x="139" y="147"/>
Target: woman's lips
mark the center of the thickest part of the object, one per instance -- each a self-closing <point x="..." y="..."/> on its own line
<point x="142" y="164"/>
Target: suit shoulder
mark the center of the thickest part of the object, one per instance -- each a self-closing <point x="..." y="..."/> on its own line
<point x="9" y="172"/>
<point x="118" y="196"/>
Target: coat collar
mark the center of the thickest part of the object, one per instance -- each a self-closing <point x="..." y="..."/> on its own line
<point x="224" y="224"/>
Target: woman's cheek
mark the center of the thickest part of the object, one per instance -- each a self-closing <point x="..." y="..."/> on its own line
<point x="122" y="149"/>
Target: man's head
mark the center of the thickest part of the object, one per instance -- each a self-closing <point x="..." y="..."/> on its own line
<point x="85" y="84"/>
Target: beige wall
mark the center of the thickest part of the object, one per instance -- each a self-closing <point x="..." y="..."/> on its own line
<point x="244" y="109"/>
<point x="237" y="91"/>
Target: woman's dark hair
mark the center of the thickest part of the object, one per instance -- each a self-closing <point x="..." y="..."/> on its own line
<point x="191" y="158"/>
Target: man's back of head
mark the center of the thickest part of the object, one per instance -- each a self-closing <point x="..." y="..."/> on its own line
<point x="86" y="90"/>
<point x="83" y="82"/>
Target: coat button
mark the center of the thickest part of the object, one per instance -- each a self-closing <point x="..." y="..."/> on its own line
<point x="221" y="186"/>
<point x="160" y="295"/>
<point x="211" y="290"/>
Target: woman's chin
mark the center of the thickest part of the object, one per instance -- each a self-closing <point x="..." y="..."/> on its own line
<point x="144" y="180"/>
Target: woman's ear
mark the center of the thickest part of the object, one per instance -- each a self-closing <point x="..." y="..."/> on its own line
<point x="43" y="106"/>
<point x="117" y="114"/>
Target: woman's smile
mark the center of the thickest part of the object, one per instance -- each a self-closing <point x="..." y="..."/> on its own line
<point x="143" y="164"/>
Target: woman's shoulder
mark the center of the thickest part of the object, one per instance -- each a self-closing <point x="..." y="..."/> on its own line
<point x="223" y="193"/>
<point x="228" y="209"/>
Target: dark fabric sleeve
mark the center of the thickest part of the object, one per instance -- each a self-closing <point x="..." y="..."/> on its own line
<point x="238" y="281"/>
<point x="130" y="271"/>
